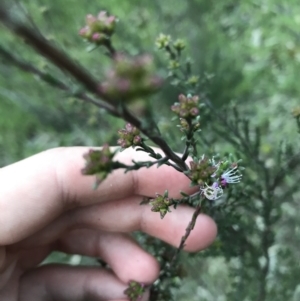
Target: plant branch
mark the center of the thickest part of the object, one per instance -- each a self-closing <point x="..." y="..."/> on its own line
<point x="290" y="166"/>
<point x="243" y="143"/>
<point x="64" y="62"/>
<point x="53" y="81"/>
<point x="188" y="231"/>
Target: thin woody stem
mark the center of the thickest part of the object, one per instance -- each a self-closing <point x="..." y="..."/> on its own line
<point x="188" y="231"/>
<point x="110" y="48"/>
<point x="53" y="81"/>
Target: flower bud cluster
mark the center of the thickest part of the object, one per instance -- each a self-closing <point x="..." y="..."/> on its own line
<point x="98" y="29"/>
<point x="99" y="163"/>
<point x="135" y="290"/>
<point x="185" y="126"/>
<point x="131" y="77"/>
<point x="173" y="64"/>
<point x="201" y="172"/>
<point x="213" y="177"/>
<point x="165" y="41"/>
<point x="130" y="136"/>
<point x="161" y="204"/>
<point x="179" y="44"/>
<point x="173" y="50"/>
<point x="187" y="107"/>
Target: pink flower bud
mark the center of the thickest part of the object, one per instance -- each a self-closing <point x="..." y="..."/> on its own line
<point x="82" y="31"/>
<point x="181" y="98"/>
<point x="102" y="15"/>
<point x="122" y="143"/>
<point x="111" y="19"/>
<point x="129" y="127"/>
<point x="194" y="111"/>
<point x="195" y="98"/>
<point x="96" y="37"/>
<point x="137" y="140"/>
<point x="90" y="19"/>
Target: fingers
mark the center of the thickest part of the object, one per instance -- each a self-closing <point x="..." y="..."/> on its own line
<point x="37" y="190"/>
<point x="65" y="283"/>
<point x="124" y="256"/>
<point x="127" y="216"/>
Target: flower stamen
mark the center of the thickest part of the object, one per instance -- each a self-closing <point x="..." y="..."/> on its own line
<point x="230" y="176"/>
<point x="213" y="192"/>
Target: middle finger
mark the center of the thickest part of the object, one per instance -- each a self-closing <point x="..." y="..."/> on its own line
<point x="126" y="216"/>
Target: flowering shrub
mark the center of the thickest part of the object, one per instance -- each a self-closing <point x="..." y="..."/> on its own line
<point x="211" y="137"/>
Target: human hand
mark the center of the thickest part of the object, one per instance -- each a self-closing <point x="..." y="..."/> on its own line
<point x="47" y="205"/>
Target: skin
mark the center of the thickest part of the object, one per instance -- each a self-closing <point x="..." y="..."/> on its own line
<point x="47" y="205"/>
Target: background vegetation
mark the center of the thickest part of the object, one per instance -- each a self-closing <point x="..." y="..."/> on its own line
<point x="248" y="52"/>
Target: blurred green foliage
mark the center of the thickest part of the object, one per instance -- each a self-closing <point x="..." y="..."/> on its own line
<point x="249" y="50"/>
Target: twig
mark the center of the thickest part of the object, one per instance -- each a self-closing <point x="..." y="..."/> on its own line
<point x="246" y="147"/>
<point x="290" y="166"/>
<point x="188" y="231"/>
<point x="54" y="82"/>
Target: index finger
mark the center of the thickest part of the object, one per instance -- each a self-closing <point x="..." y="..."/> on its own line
<point x="38" y="189"/>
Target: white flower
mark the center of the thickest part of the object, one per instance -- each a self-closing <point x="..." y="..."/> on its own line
<point x="212" y="192"/>
<point x="230" y="176"/>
